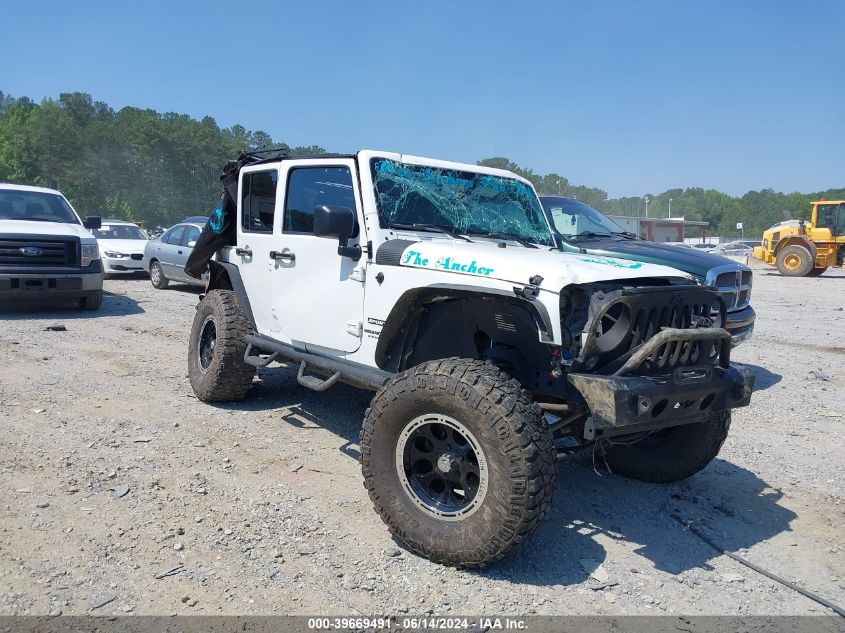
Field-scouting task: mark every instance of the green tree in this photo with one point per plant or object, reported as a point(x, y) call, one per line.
point(159, 167)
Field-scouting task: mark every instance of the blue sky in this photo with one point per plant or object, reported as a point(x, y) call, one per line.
point(632, 97)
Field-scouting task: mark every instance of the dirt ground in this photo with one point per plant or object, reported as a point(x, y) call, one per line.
point(258, 507)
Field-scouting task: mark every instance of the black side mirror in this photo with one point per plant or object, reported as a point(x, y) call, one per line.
point(92, 222)
point(338, 222)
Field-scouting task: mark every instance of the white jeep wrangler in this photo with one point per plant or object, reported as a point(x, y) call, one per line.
point(441, 287)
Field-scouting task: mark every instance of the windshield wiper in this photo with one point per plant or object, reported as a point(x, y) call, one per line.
point(435, 228)
point(588, 234)
point(498, 235)
point(628, 234)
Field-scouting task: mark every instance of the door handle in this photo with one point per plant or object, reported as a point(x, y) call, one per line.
point(279, 255)
point(180, 252)
point(243, 252)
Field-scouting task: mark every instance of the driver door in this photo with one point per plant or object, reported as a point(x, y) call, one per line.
point(318, 294)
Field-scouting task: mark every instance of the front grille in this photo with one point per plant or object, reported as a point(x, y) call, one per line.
point(626, 319)
point(647, 321)
point(673, 354)
point(37, 251)
point(733, 283)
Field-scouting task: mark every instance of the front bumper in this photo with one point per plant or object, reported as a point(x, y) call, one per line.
point(122, 265)
point(642, 402)
point(50, 284)
point(740, 324)
point(629, 402)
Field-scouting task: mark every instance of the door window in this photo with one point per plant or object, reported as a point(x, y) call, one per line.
point(174, 235)
point(192, 234)
point(258, 201)
point(310, 187)
point(827, 217)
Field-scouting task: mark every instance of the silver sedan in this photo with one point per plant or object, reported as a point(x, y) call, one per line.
point(165, 256)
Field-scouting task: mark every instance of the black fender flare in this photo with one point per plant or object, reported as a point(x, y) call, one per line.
point(227, 276)
point(396, 327)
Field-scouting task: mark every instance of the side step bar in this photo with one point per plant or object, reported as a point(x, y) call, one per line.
point(256, 360)
point(338, 369)
point(313, 382)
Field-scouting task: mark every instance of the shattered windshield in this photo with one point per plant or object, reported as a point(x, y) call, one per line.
point(463, 202)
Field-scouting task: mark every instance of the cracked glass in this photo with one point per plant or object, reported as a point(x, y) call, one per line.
point(463, 202)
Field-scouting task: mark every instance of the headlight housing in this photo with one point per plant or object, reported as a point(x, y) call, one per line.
point(90, 252)
point(114, 254)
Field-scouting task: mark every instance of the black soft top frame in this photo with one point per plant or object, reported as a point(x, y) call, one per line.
point(261, 156)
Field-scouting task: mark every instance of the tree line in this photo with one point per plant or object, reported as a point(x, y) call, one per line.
point(142, 165)
point(756, 210)
point(135, 164)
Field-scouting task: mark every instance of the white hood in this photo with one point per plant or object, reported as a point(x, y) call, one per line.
point(516, 264)
point(59, 229)
point(127, 247)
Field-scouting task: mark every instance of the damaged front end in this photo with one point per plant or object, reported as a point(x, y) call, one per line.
point(649, 357)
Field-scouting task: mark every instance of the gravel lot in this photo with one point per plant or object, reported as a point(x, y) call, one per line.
point(258, 507)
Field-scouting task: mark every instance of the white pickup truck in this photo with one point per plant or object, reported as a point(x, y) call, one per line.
point(46, 251)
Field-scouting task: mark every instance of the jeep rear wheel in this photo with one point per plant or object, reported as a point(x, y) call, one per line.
point(216, 366)
point(458, 461)
point(670, 454)
point(794, 261)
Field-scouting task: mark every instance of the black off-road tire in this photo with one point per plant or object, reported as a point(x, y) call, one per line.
point(92, 301)
point(817, 272)
point(157, 278)
point(515, 440)
point(226, 376)
point(671, 454)
point(795, 261)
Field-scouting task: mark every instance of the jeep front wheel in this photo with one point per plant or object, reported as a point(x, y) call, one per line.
point(216, 366)
point(458, 461)
point(669, 454)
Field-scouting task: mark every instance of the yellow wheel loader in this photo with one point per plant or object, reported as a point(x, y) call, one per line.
point(806, 249)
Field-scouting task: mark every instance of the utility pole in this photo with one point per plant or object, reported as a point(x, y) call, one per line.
point(638, 217)
point(670, 208)
point(558, 187)
point(646, 206)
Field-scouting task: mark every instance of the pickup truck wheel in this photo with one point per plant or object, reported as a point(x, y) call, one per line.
point(458, 461)
point(794, 261)
point(157, 278)
point(216, 366)
point(670, 454)
point(92, 301)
